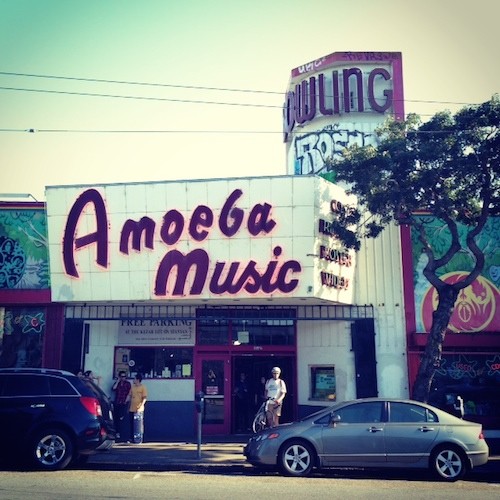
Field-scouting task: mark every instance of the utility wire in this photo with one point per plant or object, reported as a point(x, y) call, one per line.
point(146, 84)
point(91, 94)
point(160, 99)
point(192, 87)
point(296, 133)
point(97, 131)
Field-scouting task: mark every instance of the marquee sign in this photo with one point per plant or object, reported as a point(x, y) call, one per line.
point(224, 239)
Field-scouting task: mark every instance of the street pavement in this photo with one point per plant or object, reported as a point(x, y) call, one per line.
point(172, 456)
point(216, 455)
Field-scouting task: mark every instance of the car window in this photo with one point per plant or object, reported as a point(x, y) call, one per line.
point(361, 413)
point(407, 412)
point(25, 385)
point(324, 420)
point(61, 387)
point(97, 391)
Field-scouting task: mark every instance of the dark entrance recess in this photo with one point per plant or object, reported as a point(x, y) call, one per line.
point(72, 356)
point(363, 345)
point(255, 367)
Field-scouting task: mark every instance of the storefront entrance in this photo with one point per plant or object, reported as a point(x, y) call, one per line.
point(213, 378)
point(228, 410)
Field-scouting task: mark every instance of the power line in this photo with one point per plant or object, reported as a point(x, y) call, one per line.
point(179, 86)
point(143, 98)
point(146, 84)
point(160, 99)
point(164, 131)
point(101, 131)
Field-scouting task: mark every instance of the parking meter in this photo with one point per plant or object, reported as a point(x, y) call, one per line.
point(459, 406)
point(200, 401)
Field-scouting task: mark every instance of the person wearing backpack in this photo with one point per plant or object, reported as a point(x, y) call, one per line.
point(276, 391)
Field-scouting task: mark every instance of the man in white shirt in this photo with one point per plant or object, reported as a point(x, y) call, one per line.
point(276, 390)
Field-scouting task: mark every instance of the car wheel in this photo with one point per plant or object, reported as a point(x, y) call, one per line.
point(51, 449)
point(448, 463)
point(296, 459)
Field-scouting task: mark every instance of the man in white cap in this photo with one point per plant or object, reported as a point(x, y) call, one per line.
point(276, 390)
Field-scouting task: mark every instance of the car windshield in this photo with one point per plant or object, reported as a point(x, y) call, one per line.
point(319, 412)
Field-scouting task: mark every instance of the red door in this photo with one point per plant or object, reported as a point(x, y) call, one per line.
point(213, 378)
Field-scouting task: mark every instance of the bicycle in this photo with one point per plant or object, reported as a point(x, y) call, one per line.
point(264, 417)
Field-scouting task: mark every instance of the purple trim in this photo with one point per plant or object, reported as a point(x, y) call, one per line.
point(25, 297)
point(397, 78)
point(454, 340)
point(22, 205)
point(408, 284)
point(345, 57)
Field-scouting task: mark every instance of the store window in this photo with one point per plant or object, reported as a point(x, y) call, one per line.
point(21, 336)
point(213, 331)
point(323, 386)
point(256, 327)
point(154, 362)
point(476, 379)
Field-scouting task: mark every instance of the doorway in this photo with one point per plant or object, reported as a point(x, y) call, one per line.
point(217, 376)
point(257, 370)
point(213, 378)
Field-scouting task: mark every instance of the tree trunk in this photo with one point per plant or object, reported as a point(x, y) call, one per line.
point(431, 360)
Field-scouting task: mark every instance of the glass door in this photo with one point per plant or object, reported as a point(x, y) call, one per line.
point(213, 378)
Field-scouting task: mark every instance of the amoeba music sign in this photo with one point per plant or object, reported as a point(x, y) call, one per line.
point(194, 240)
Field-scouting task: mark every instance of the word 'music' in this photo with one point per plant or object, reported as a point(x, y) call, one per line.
point(194, 266)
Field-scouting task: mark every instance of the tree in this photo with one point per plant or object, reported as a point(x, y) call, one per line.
point(448, 167)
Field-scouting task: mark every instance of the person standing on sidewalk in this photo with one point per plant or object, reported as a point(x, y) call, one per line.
point(242, 404)
point(139, 395)
point(276, 390)
point(122, 389)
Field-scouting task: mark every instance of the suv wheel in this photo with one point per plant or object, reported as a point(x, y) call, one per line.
point(51, 449)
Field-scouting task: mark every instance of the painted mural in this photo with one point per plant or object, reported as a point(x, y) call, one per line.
point(21, 336)
point(24, 262)
point(477, 306)
point(476, 379)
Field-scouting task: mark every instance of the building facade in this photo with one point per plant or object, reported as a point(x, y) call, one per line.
point(470, 365)
point(30, 323)
point(192, 283)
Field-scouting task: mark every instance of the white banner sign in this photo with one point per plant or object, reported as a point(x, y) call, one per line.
point(156, 332)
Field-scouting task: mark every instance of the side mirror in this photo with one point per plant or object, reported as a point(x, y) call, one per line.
point(335, 419)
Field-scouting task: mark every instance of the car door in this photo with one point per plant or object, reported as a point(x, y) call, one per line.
point(357, 437)
point(410, 432)
point(22, 401)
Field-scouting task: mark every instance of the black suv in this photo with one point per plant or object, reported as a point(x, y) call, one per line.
point(51, 418)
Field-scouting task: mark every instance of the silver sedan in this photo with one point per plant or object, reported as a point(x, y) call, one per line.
point(389, 433)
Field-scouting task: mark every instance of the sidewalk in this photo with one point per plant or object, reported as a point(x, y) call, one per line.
point(220, 456)
point(172, 456)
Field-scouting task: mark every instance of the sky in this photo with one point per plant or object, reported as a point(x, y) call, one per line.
point(216, 73)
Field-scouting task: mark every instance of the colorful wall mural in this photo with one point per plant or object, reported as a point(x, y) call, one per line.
point(477, 306)
point(24, 266)
point(21, 336)
point(24, 261)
